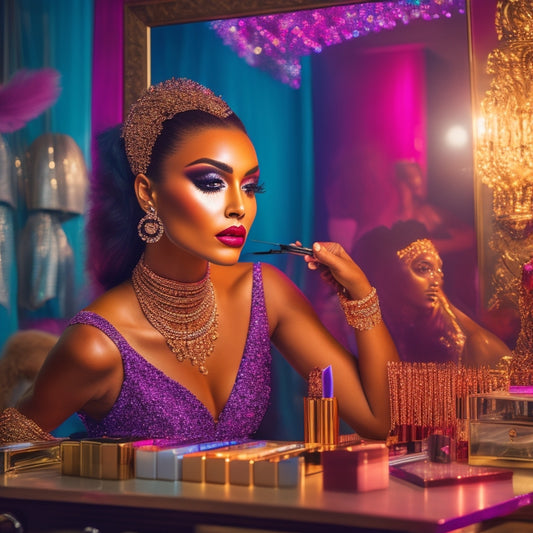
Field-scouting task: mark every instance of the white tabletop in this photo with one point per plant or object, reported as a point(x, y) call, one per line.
point(403, 506)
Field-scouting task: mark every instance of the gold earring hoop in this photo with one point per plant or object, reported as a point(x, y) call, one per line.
point(150, 227)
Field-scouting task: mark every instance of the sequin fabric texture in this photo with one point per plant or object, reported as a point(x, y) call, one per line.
point(151, 405)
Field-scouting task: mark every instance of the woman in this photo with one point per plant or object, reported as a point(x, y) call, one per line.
point(179, 344)
point(408, 271)
point(448, 234)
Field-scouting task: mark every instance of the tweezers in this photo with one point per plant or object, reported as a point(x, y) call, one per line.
point(284, 249)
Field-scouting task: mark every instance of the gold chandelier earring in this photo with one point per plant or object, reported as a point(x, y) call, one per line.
point(150, 227)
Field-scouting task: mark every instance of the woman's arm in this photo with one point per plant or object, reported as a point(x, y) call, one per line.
point(481, 346)
point(77, 374)
point(361, 384)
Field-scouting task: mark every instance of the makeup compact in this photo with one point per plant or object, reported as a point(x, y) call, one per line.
point(253, 463)
point(22, 456)
point(239, 467)
point(104, 458)
point(194, 464)
point(282, 471)
point(162, 458)
point(358, 468)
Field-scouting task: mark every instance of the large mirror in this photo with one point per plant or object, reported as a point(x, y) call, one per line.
point(376, 130)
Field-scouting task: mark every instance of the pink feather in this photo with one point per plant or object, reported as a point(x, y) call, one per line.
point(26, 95)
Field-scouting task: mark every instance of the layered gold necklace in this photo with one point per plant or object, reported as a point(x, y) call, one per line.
point(185, 314)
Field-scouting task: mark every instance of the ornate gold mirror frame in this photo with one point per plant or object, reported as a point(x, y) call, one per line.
point(141, 15)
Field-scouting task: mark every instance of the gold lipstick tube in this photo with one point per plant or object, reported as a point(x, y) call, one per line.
point(321, 421)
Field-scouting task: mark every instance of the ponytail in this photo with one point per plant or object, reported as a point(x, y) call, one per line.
point(114, 246)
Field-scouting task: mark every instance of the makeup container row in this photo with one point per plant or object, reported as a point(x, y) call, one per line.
point(259, 463)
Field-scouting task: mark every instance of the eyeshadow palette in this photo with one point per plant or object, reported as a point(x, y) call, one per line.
point(428, 474)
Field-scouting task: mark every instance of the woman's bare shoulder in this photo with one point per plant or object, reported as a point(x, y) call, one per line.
point(242, 273)
point(119, 306)
point(282, 296)
point(84, 366)
point(86, 344)
point(276, 281)
point(87, 347)
point(272, 273)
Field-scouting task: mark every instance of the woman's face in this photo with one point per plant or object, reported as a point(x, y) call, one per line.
point(424, 279)
point(206, 197)
point(414, 180)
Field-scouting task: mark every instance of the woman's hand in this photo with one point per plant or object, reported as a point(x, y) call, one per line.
point(443, 315)
point(338, 268)
point(445, 322)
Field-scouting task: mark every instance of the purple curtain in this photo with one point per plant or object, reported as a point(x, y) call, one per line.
point(108, 60)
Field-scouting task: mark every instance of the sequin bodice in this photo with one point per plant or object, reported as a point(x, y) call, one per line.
point(151, 404)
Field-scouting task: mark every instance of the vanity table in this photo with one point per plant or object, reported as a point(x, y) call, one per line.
point(44, 500)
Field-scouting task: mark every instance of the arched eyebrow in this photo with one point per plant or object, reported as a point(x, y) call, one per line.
point(220, 165)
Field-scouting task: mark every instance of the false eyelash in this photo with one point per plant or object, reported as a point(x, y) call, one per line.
point(208, 184)
point(257, 188)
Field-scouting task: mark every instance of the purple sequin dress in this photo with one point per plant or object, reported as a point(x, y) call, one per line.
point(151, 405)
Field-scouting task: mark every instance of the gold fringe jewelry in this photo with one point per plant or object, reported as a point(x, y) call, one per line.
point(362, 314)
point(184, 313)
point(430, 397)
point(15, 427)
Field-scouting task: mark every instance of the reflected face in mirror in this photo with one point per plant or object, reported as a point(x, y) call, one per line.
point(206, 197)
point(421, 274)
point(410, 174)
point(423, 280)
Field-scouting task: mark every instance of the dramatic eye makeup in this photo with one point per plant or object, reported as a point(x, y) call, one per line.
point(208, 176)
point(422, 268)
point(425, 268)
point(254, 188)
point(251, 184)
point(207, 180)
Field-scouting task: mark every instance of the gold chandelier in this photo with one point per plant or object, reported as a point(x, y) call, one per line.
point(504, 147)
point(505, 133)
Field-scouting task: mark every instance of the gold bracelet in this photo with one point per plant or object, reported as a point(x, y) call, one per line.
point(362, 314)
point(15, 427)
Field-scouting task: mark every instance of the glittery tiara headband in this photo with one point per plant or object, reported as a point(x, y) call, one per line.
point(159, 103)
point(421, 246)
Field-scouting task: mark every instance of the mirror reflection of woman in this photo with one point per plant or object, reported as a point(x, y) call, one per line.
point(446, 231)
point(426, 326)
point(178, 345)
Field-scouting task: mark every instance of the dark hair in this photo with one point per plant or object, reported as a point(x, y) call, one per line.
point(175, 130)
point(113, 242)
point(375, 252)
point(404, 168)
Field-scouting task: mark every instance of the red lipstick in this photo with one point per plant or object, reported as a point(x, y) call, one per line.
point(234, 236)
